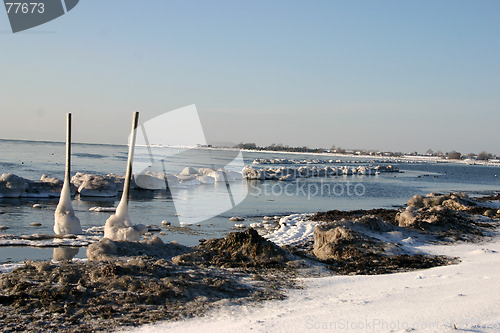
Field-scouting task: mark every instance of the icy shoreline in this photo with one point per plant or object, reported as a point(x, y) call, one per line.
point(440, 299)
point(226, 284)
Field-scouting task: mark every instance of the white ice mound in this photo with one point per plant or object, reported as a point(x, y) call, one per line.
point(189, 171)
point(152, 180)
point(218, 176)
point(12, 186)
point(118, 226)
point(205, 171)
point(94, 185)
point(46, 187)
point(66, 221)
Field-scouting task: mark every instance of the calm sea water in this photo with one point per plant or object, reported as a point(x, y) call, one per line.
point(32, 159)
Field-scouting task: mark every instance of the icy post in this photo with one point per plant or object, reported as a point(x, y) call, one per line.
point(119, 227)
point(66, 221)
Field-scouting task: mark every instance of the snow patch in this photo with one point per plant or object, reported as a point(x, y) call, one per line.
point(293, 229)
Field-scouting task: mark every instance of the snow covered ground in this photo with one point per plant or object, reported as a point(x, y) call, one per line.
point(463, 297)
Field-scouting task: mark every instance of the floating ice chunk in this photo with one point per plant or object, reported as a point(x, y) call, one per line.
point(96, 186)
point(102, 209)
point(187, 171)
point(206, 179)
point(190, 182)
point(118, 180)
point(205, 171)
point(152, 180)
point(66, 221)
point(95, 230)
point(51, 180)
point(12, 186)
point(46, 187)
point(236, 219)
point(218, 176)
point(118, 226)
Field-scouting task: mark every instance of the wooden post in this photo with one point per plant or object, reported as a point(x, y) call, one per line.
point(67, 172)
point(130, 160)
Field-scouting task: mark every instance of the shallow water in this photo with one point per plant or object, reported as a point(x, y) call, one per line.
point(32, 159)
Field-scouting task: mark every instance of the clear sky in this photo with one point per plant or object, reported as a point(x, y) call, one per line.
point(388, 75)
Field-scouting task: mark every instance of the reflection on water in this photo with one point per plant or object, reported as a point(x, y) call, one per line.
point(65, 253)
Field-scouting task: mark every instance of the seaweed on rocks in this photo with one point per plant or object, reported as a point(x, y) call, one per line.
point(346, 249)
point(134, 283)
point(387, 215)
point(238, 249)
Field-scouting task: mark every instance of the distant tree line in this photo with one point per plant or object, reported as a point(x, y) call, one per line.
point(452, 155)
point(279, 147)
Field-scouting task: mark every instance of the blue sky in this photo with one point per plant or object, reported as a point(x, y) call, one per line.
point(388, 75)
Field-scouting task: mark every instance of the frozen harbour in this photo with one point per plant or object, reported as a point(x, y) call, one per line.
point(461, 297)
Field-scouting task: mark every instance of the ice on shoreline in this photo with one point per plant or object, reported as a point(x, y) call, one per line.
point(306, 171)
point(293, 229)
point(65, 220)
point(118, 226)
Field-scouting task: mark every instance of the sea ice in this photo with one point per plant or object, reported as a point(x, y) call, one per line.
point(119, 227)
point(12, 186)
point(66, 221)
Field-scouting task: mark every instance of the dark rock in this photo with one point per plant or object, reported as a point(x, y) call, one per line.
point(238, 249)
point(386, 215)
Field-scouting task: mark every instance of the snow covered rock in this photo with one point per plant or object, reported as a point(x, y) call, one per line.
point(96, 186)
point(12, 186)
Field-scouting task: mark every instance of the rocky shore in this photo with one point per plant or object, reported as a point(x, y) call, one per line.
point(133, 283)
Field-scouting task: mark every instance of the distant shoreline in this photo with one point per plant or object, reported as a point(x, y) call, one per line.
point(394, 159)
